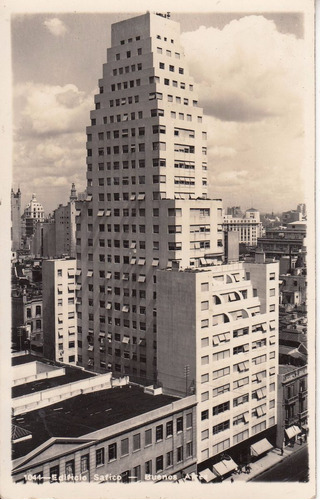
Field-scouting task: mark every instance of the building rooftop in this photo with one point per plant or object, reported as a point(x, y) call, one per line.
point(283, 369)
point(294, 338)
point(30, 358)
point(83, 414)
point(72, 374)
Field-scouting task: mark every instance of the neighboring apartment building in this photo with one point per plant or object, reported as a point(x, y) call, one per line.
point(292, 403)
point(114, 435)
point(15, 220)
point(27, 321)
point(288, 241)
point(59, 310)
point(218, 337)
point(248, 226)
point(147, 205)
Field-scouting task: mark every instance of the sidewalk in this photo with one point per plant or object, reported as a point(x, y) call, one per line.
point(272, 458)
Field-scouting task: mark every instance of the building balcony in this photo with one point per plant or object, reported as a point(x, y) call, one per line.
point(303, 393)
point(291, 400)
point(292, 421)
point(303, 414)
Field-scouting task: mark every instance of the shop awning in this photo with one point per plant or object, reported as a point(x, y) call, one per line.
point(260, 447)
point(207, 475)
point(224, 467)
point(292, 431)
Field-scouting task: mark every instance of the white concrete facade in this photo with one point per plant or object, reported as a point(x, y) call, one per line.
point(249, 226)
point(222, 324)
point(59, 310)
point(147, 203)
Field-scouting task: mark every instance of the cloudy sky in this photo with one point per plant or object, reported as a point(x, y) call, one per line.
point(251, 72)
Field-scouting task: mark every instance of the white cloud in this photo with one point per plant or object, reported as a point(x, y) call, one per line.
point(247, 70)
point(46, 109)
point(251, 83)
point(55, 26)
point(50, 140)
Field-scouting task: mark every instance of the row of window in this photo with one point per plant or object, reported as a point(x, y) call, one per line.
point(139, 115)
point(226, 388)
point(140, 132)
point(218, 356)
point(156, 162)
point(128, 54)
point(222, 372)
point(29, 311)
point(156, 146)
point(225, 337)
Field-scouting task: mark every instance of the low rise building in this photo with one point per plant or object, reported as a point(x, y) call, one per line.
point(27, 320)
point(118, 435)
point(288, 241)
point(292, 406)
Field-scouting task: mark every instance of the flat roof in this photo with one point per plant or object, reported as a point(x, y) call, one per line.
point(30, 358)
point(284, 369)
point(83, 414)
point(72, 375)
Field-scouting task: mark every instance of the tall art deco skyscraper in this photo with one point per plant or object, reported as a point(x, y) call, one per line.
point(147, 206)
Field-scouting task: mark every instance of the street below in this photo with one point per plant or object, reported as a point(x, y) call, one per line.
point(293, 468)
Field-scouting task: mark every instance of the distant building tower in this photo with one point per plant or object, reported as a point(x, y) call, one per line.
point(301, 208)
point(15, 220)
point(33, 213)
point(248, 226)
point(73, 193)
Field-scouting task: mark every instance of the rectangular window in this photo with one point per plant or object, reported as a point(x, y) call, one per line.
point(179, 424)
point(99, 457)
point(179, 454)
point(169, 428)
point(124, 447)
point(159, 463)
point(221, 355)
point(221, 373)
point(84, 463)
point(220, 390)
point(169, 459)
point(159, 432)
point(221, 408)
point(221, 427)
point(148, 467)
point(112, 452)
point(136, 442)
point(148, 437)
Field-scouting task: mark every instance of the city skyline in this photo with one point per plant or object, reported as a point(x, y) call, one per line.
point(253, 109)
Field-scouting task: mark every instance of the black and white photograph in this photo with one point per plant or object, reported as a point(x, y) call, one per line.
point(158, 262)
